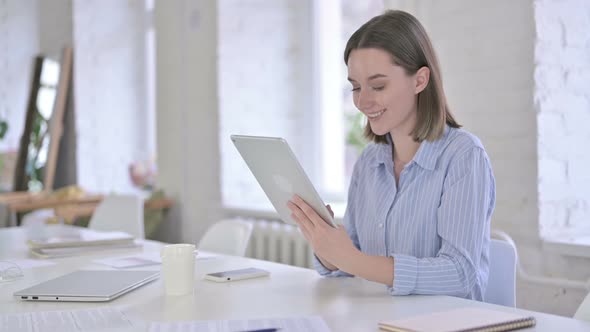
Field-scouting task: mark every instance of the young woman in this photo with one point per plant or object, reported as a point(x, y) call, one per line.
point(422, 194)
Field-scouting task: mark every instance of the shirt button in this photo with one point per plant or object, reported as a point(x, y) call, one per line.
point(380, 225)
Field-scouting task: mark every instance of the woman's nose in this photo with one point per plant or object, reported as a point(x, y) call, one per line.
point(364, 100)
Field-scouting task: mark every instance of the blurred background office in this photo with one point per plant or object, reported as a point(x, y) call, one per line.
point(162, 84)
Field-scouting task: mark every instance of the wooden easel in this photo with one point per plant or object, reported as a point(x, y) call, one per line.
point(20, 195)
point(55, 123)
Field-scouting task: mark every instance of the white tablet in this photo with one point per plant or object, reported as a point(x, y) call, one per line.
point(279, 174)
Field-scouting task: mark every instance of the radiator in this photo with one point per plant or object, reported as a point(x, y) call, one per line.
point(279, 242)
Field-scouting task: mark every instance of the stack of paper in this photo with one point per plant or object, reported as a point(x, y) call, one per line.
point(289, 324)
point(95, 319)
point(84, 241)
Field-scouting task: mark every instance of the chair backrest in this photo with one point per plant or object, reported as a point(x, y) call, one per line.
point(228, 237)
point(502, 278)
point(119, 213)
point(583, 312)
point(37, 217)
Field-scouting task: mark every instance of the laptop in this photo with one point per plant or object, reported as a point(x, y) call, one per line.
point(279, 174)
point(87, 286)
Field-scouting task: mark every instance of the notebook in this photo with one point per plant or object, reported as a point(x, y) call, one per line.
point(82, 238)
point(458, 320)
point(83, 250)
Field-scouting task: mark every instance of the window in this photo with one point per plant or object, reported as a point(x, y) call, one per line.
point(114, 97)
point(292, 84)
point(341, 123)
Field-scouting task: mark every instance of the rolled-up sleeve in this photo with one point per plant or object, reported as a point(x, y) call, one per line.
point(464, 214)
point(405, 274)
point(322, 270)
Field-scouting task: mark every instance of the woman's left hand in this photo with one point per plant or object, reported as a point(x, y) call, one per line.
point(332, 244)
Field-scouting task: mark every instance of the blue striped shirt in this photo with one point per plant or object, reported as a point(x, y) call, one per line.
point(435, 225)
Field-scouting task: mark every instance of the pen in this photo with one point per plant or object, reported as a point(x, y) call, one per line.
point(270, 329)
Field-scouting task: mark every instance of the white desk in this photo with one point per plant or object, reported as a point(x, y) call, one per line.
point(346, 304)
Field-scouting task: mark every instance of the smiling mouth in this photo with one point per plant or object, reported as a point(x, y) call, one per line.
point(375, 115)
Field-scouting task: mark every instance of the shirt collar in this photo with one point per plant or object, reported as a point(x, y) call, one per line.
point(425, 157)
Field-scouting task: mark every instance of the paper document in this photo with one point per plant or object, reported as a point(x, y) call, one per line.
point(127, 262)
point(140, 260)
point(205, 256)
point(24, 264)
point(295, 324)
point(71, 321)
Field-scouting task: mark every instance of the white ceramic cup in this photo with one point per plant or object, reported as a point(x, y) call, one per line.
point(178, 268)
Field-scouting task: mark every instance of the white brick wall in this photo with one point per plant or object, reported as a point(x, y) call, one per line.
point(19, 43)
point(55, 26)
point(111, 92)
point(486, 53)
point(562, 102)
point(562, 99)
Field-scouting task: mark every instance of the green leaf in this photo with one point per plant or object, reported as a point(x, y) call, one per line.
point(354, 135)
point(3, 128)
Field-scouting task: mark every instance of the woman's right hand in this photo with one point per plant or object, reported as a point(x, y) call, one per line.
point(308, 226)
point(324, 262)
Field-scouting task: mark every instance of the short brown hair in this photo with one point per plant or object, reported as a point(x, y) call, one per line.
point(404, 38)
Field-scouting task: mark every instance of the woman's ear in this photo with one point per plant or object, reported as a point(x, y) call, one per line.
point(422, 78)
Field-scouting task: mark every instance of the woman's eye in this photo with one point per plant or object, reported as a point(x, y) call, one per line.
point(355, 89)
point(379, 88)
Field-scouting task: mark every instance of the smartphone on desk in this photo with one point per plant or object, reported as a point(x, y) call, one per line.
point(233, 275)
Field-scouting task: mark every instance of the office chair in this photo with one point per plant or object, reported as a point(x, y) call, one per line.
point(119, 213)
point(501, 287)
point(228, 237)
point(37, 217)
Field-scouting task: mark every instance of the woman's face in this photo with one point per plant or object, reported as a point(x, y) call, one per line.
point(383, 91)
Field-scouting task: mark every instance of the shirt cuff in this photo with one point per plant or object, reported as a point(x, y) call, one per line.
point(322, 270)
point(405, 274)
